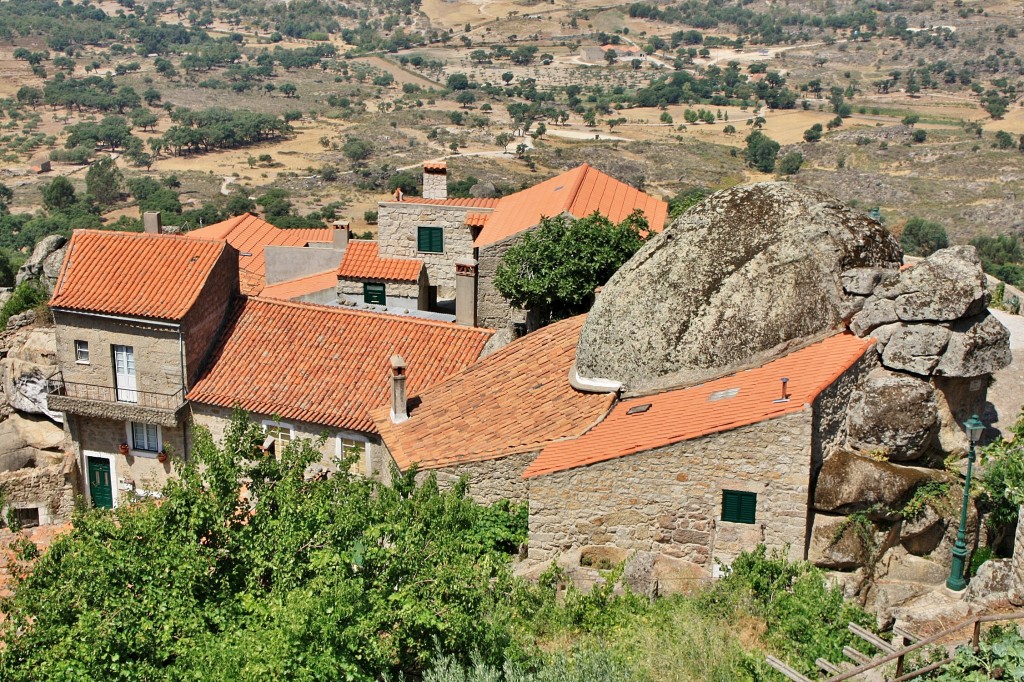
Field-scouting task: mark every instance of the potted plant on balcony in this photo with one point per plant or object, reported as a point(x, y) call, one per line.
point(161, 456)
point(124, 449)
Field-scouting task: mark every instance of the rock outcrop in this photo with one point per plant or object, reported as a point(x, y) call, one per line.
point(893, 414)
point(44, 263)
point(849, 483)
point(736, 277)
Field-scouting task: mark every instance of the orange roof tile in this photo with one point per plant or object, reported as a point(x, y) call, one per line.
point(249, 234)
point(737, 400)
point(327, 365)
point(458, 203)
point(435, 166)
point(294, 288)
point(513, 401)
point(362, 261)
point(578, 192)
point(124, 273)
point(476, 219)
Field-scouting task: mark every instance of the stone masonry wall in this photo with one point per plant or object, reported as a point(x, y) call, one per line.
point(353, 289)
point(50, 488)
point(397, 224)
point(490, 481)
point(216, 419)
point(158, 361)
point(669, 500)
point(435, 185)
point(140, 470)
point(204, 321)
point(492, 309)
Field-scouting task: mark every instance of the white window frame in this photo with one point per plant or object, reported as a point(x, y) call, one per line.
point(131, 440)
point(82, 348)
point(271, 424)
point(358, 438)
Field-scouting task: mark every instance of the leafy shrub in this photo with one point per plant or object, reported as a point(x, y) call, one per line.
point(922, 237)
point(1000, 655)
point(790, 163)
point(25, 296)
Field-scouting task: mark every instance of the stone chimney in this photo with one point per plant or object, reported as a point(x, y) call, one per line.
point(399, 409)
point(339, 236)
point(435, 180)
point(465, 291)
point(152, 222)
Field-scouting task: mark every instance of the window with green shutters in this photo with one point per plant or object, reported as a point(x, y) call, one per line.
point(430, 240)
point(738, 506)
point(374, 293)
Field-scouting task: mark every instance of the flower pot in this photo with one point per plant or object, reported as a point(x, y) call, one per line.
point(161, 456)
point(123, 448)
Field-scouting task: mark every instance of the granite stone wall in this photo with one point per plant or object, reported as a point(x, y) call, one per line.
point(352, 289)
point(49, 487)
point(492, 309)
point(216, 419)
point(204, 321)
point(669, 500)
point(138, 471)
point(489, 481)
point(397, 224)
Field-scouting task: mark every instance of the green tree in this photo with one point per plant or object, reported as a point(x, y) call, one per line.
point(761, 151)
point(6, 197)
point(336, 579)
point(790, 163)
point(408, 182)
point(287, 89)
point(104, 181)
point(554, 269)
point(59, 194)
point(356, 150)
point(1004, 140)
point(813, 134)
point(922, 237)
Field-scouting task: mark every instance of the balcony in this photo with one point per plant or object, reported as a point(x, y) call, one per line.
point(108, 402)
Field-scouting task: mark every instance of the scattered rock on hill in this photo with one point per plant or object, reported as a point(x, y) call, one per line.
point(34, 266)
point(893, 413)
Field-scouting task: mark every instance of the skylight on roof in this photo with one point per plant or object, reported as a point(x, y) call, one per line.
point(724, 394)
point(639, 409)
point(559, 188)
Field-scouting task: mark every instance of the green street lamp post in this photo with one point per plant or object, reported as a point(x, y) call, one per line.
point(956, 581)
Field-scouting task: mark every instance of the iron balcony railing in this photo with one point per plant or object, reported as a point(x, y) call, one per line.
point(111, 394)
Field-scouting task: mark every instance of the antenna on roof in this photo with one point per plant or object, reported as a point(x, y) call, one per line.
point(785, 396)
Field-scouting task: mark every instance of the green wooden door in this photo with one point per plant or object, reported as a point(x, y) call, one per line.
point(99, 483)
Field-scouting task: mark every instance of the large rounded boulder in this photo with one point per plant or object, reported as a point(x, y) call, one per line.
point(730, 283)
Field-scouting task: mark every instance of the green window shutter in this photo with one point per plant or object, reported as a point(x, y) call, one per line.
point(430, 239)
point(739, 506)
point(374, 293)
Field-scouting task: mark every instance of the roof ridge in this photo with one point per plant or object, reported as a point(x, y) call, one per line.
point(584, 169)
point(142, 235)
point(366, 313)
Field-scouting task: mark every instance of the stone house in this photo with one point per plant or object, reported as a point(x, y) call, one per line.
point(364, 277)
point(154, 337)
point(698, 473)
point(136, 317)
point(306, 370)
point(466, 238)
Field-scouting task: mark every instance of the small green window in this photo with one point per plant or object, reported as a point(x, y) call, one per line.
point(430, 240)
point(738, 506)
point(374, 293)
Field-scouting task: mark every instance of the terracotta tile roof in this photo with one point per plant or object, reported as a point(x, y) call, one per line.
point(249, 234)
point(327, 365)
point(459, 203)
point(435, 166)
point(736, 400)
point(476, 219)
point(294, 288)
point(125, 273)
point(513, 401)
point(578, 192)
point(362, 261)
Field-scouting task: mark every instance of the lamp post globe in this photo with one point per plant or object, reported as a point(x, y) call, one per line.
point(974, 427)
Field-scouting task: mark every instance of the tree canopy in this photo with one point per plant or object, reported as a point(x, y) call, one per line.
point(296, 576)
point(922, 237)
point(554, 269)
